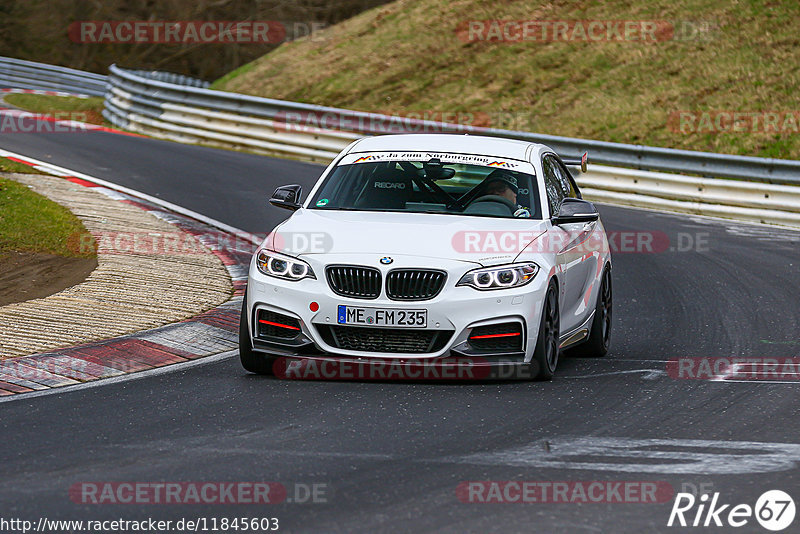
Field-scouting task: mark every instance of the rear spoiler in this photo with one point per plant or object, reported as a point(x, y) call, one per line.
point(582, 163)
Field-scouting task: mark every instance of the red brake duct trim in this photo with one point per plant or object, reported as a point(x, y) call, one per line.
point(487, 336)
point(264, 321)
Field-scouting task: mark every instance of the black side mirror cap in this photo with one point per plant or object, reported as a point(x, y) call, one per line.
point(575, 210)
point(287, 197)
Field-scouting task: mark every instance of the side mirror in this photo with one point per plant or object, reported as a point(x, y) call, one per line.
point(287, 197)
point(582, 163)
point(575, 210)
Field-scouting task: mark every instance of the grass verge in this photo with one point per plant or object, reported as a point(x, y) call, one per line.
point(29, 222)
point(6, 165)
point(63, 107)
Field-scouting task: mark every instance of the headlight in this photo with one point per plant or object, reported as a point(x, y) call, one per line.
point(284, 267)
point(502, 277)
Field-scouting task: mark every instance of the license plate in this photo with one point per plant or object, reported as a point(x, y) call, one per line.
point(356, 315)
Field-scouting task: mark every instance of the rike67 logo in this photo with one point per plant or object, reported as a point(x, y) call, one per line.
point(774, 510)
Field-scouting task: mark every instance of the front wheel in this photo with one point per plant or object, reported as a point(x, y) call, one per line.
point(251, 360)
point(545, 355)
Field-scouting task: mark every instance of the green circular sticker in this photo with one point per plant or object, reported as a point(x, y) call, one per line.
point(322, 202)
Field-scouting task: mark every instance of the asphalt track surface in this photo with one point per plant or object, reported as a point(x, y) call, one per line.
point(393, 453)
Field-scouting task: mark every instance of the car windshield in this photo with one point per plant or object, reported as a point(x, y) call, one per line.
point(432, 185)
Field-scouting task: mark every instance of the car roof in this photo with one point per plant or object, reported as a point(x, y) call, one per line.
point(459, 144)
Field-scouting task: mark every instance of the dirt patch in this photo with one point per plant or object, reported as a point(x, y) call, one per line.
point(30, 275)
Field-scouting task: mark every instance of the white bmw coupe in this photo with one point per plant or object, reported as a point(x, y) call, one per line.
point(432, 248)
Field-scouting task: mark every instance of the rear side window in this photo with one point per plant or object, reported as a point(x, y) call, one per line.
point(564, 179)
point(553, 184)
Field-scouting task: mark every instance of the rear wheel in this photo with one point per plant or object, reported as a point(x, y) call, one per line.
point(545, 355)
point(596, 346)
point(252, 361)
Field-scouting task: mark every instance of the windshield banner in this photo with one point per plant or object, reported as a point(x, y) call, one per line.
point(444, 157)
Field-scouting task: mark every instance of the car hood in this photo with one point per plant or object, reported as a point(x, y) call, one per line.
point(481, 240)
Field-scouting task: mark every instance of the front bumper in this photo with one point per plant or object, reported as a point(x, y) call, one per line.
point(454, 313)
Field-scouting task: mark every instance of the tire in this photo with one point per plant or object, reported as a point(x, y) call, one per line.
point(545, 355)
point(596, 346)
point(252, 361)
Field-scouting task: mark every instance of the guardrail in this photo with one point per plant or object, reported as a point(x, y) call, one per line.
point(183, 109)
point(148, 105)
point(21, 74)
point(171, 77)
point(144, 103)
point(729, 199)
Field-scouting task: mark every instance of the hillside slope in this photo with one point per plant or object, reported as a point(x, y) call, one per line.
point(709, 57)
point(48, 31)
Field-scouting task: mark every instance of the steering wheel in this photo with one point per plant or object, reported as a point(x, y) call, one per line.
point(498, 199)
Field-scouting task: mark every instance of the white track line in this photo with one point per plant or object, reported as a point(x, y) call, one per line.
point(63, 171)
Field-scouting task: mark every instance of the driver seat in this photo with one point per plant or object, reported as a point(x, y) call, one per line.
point(388, 189)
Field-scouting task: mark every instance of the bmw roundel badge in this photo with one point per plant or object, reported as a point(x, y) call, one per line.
point(386, 260)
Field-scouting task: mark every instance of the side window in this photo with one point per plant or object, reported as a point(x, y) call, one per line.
point(565, 180)
point(552, 184)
